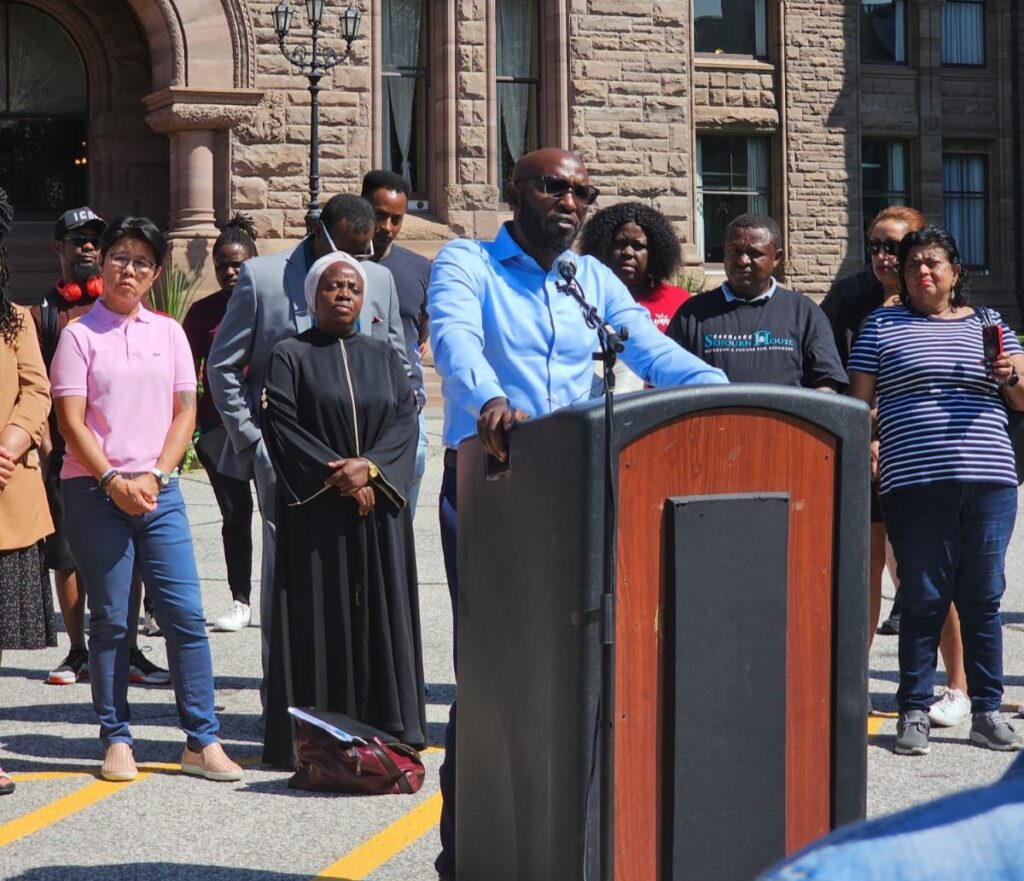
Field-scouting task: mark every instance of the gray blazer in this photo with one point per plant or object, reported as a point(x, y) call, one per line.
point(267, 306)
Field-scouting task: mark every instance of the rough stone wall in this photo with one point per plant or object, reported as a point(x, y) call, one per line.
point(730, 89)
point(821, 161)
point(270, 157)
point(630, 101)
point(471, 193)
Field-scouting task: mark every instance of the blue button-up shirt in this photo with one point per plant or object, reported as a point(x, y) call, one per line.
point(501, 327)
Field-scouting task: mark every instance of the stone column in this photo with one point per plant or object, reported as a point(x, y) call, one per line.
point(192, 180)
point(191, 118)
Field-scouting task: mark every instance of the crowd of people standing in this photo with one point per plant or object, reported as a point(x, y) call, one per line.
point(302, 375)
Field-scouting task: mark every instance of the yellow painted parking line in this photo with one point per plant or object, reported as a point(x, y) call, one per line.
point(874, 725)
point(62, 808)
point(386, 845)
point(50, 775)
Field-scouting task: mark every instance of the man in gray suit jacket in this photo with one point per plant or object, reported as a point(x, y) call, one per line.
point(267, 306)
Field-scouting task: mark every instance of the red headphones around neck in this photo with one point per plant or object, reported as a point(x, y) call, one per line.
point(71, 292)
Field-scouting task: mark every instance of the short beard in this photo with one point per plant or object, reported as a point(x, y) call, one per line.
point(548, 244)
point(82, 272)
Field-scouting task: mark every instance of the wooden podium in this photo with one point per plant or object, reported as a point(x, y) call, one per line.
point(740, 646)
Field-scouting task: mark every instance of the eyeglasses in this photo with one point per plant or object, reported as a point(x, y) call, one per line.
point(79, 240)
point(889, 248)
point(365, 255)
point(551, 185)
point(122, 261)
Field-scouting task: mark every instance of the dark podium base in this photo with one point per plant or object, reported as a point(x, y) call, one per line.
point(741, 559)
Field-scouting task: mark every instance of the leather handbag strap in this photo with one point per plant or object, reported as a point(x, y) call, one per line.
point(381, 752)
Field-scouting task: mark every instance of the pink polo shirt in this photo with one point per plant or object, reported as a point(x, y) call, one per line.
point(128, 370)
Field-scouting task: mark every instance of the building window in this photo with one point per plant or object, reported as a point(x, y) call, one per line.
point(404, 29)
point(518, 83)
point(963, 33)
point(884, 176)
point(965, 191)
point(731, 27)
point(883, 31)
point(733, 178)
point(43, 114)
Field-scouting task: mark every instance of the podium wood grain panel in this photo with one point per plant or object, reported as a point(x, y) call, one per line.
point(711, 452)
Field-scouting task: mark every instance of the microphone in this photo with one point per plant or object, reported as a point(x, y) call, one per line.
point(565, 266)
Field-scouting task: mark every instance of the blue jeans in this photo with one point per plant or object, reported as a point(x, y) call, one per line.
point(950, 540)
point(108, 544)
point(969, 836)
point(420, 466)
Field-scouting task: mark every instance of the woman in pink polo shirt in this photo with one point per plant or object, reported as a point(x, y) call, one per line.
point(124, 388)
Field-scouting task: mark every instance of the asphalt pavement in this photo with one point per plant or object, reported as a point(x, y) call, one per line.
point(63, 824)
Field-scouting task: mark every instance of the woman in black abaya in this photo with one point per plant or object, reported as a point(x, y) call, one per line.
point(339, 419)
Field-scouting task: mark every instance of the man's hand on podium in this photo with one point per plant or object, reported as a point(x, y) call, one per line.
point(497, 417)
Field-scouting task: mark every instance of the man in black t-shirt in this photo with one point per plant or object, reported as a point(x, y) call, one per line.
point(388, 193)
point(752, 328)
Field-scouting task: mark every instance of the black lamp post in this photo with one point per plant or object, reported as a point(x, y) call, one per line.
point(314, 65)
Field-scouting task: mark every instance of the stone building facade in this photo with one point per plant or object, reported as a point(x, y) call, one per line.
point(191, 112)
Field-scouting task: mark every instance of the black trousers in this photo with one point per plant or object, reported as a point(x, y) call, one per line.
point(445, 863)
point(234, 498)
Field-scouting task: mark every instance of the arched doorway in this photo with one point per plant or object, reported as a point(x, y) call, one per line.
point(43, 114)
point(74, 73)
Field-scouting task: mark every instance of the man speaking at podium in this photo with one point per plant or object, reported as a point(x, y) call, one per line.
point(510, 344)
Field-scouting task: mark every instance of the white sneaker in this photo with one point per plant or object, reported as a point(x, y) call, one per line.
point(150, 627)
point(237, 617)
point(952, 708)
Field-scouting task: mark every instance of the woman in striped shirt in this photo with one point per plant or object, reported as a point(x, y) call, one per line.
point(947, 478)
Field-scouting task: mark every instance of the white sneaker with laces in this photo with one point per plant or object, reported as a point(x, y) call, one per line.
point(237, 617)
point(952, 708)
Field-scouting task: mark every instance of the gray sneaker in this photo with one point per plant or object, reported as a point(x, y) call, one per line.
point(912, 730)
point(992, 730)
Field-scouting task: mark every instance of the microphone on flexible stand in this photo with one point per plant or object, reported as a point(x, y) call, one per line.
point(565, 266)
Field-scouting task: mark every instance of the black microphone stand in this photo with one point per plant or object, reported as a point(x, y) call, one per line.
point(611, 342)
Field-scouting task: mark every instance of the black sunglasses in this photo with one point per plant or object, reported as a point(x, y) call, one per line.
point(557, 187)
point(79, 239)
point(889, 248)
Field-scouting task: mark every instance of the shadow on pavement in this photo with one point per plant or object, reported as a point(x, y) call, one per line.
point(150, 872)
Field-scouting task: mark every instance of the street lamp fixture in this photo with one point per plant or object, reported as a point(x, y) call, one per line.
point(314, 63)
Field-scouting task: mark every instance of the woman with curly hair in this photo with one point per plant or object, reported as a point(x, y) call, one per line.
point(26, 604)
point(235, 245)
point(639, 245)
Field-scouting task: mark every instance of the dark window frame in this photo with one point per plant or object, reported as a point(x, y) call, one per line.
point(703, 191)
point(740, 56)
point(983, 64)
point(885, 62)
point(421, 194)
point(985, 198)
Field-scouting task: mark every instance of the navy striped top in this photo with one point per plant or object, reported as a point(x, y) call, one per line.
point(939, 416)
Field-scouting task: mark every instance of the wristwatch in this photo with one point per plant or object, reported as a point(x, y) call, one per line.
point(161, 478)
point(374, 470)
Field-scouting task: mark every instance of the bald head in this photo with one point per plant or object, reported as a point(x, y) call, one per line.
point(550, 160)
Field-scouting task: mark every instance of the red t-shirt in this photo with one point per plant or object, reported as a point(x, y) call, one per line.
point(663, 303)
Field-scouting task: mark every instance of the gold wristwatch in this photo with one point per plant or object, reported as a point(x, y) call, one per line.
point(374, 470)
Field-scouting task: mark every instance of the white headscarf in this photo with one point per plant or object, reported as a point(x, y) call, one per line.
point(320, 267)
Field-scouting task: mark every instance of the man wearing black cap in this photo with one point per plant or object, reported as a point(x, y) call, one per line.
point(76, 242)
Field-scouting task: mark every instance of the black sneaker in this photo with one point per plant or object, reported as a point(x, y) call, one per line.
point(890, 626)
point(142, 671)
point(912, 730)
point(992, 730)
point(74, 668)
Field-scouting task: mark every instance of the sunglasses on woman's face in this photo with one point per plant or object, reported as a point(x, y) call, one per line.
point(889, 248)
point(557, 187)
